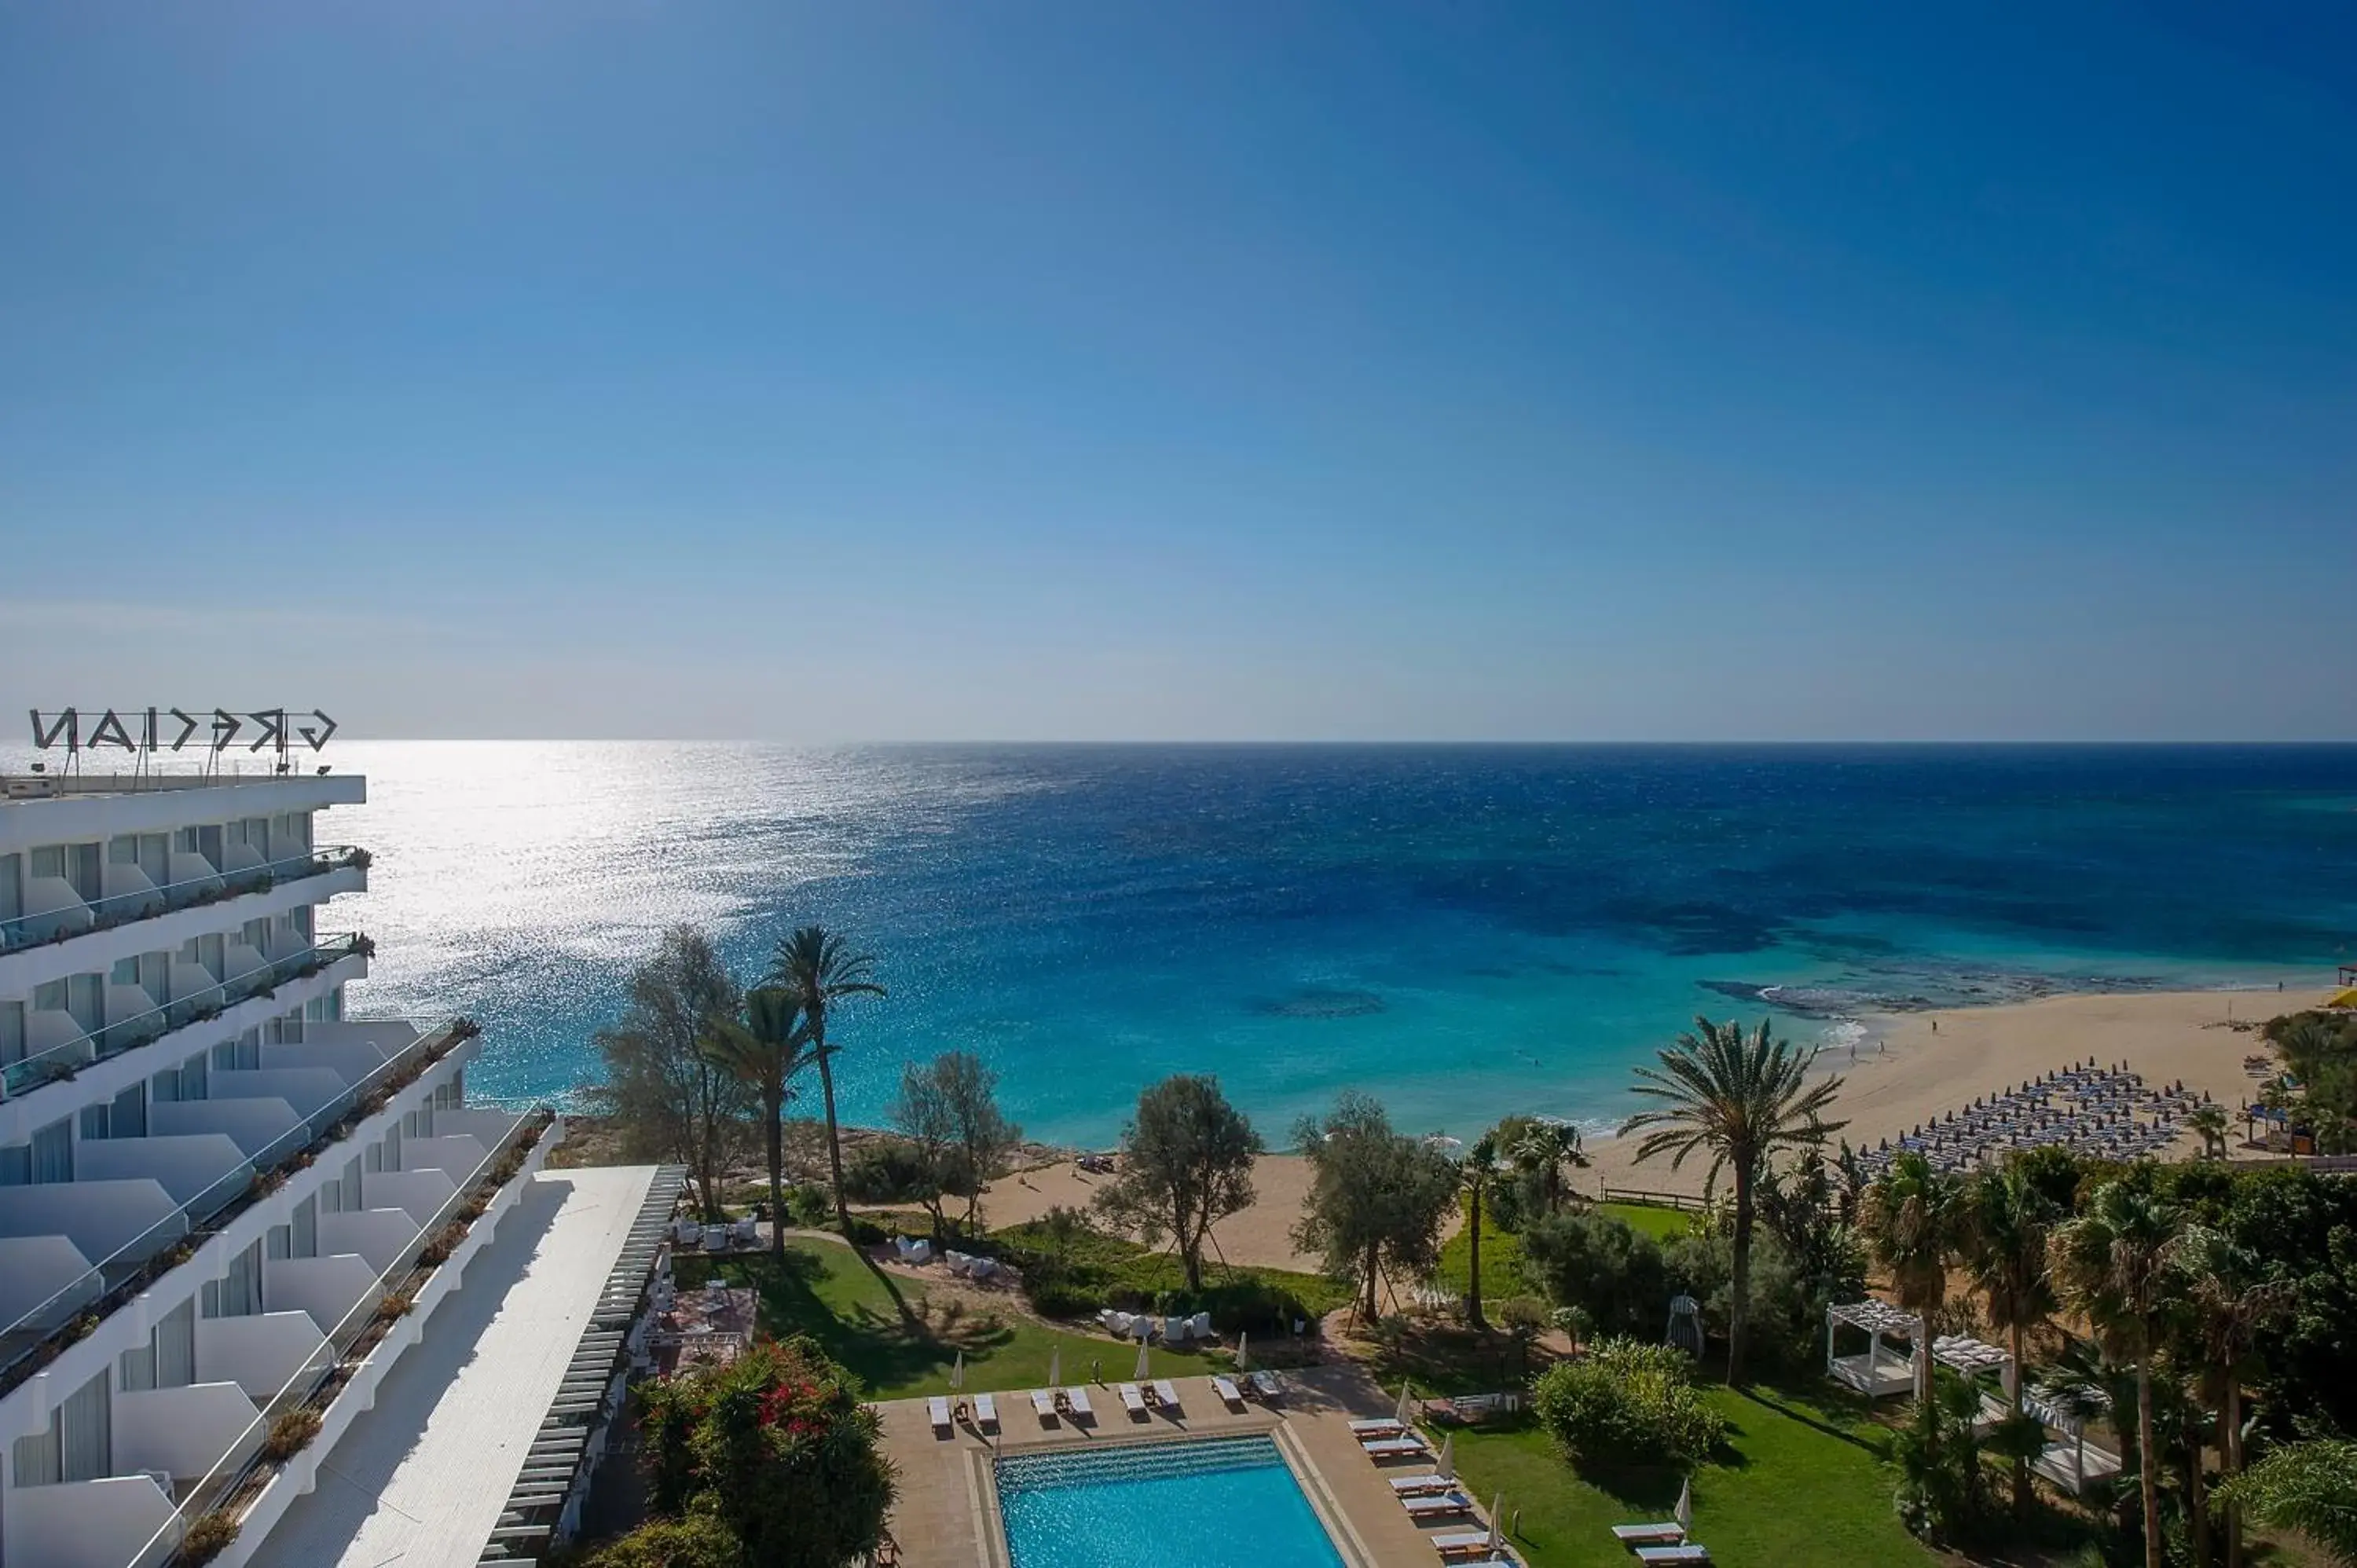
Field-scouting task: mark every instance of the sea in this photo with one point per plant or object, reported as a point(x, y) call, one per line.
point(1461, 932)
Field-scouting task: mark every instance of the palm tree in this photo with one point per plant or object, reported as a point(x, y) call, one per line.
point(1545, 1150)
point(2005, 1223)
point(1740, 1096)
point(812, 966)
point(764, 1052)
point(1473, 1174)
point(1913, 1219)
point(2114, 1265)
point(2210, 1121)
point(2232, 1302)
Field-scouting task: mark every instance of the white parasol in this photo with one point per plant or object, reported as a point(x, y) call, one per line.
point(1056, 1365)
point(1446, 1469)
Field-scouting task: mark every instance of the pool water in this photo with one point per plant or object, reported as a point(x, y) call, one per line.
point(1225, 1502)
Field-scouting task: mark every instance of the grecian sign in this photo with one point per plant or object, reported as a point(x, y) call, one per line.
point(154, 729)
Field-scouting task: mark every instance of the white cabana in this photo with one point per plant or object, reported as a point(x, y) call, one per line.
point(1962, 1353)
point(2073, 1462)
point(1880, 1370)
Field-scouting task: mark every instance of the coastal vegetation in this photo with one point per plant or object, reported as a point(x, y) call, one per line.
point(670, 1101)
point(763, 1051)
point(817, 969)
point(1185, 1164)
point(954, 1133)
point(1739, 1098)
point(2318, 1090)
point(1377, 1198)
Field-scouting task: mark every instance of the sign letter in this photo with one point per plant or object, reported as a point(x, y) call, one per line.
point(68, 725)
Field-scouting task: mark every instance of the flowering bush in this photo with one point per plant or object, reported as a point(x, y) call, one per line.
point(777, 1446)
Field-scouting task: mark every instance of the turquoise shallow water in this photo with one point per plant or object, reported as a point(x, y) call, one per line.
point(1462, 929)
point(1208, 1503)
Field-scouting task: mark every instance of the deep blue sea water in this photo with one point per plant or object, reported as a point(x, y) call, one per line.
point(1463, 930)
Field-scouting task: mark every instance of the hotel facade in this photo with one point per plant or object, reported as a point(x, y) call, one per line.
point(227, 1208)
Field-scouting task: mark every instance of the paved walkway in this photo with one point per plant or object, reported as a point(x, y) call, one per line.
point(941, 1519)
point(419, 1480)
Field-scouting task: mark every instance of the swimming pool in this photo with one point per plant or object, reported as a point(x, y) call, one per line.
point(1213, 1502)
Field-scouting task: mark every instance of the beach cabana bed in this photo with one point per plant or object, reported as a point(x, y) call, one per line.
point(1880, 1370)
point(2073, 1462)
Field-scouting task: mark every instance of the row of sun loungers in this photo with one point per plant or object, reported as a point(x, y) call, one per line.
point(1263, 1386)
point(985, 1414)
point(724, 1237)
point(2087, 1109)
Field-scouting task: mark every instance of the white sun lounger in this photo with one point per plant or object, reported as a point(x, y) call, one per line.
point(1686, 1553)
point(1669, 1532)
point(986, 1412)
point(1132, 1400)
point(1227, 1390)
point(1077, 1398)
point(1392, 1447)
point(1460, 1542)
point(1043, 1403)
point(1166, 1394)
point(1438, 1508)
point(1430, 1481)
point(939, 1408)
point(1266, 1385)
point(1383, 1426)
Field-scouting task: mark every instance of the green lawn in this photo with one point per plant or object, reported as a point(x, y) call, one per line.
point(1501, 1263)
point(1805, 1484)
point(1663, 1224)
point(885, 1331)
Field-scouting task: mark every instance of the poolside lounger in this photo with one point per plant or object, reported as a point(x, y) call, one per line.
point(1382, 1427)
point(1266, 1385)
point(1392, 1447)
point(1227, 1390)
point(939, 1408)
point(1438, 1508)
point(1166, 1394)
point(1043, 1403)
point(1686, 1553)
point(1460, 1542)
point(1667, 1533)
point(1132, 1400)
point(1430, 1481)
point(986, 1412)
point(1077, 1398)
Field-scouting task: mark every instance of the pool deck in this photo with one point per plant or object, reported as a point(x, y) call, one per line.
point(943, 1518)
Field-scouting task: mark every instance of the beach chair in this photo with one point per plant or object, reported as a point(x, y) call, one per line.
point(1669, 1532)
point(1166, 1394)
point(1132, 1400)
point(1394, 1447)
point(1440, 1507)
point(1382, 1426)
point(1043, 1405)
point(1415, 1486)
point(1685, 1552)
point(1460, 1543)
point(986, 1412)
point(1229, 1393)
point(1266, 1385)
point(1115, 1322)
point(939, 1408)
point(1078, 1400)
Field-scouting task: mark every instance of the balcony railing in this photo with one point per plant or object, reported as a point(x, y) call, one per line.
point(108, 1040)
point(170, 898)
point(132, 1266)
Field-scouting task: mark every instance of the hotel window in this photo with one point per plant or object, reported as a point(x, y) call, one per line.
point(163, 1088)
point(239, 1293)
point(255, 934)
point(12, 1032)
point(351, 1183)
point(53, 1153)
point(12, 886)
point(193, 1084)
point(176, 1347)
point(156, 857)
point(130, 1112)
point(278, 1241)
point(79, 1445)
point(306, 1226)
point(122, 851)
point(184, 841)
point(82, 870)
point(95, 1119)
point(16, 1165)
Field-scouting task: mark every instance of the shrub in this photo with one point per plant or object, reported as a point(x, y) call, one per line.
point(396, 1303)
point(1627, 1402)
point(207, 1536)
point(290, 1434)
point(810, 1206)
point(1611, 1274)
point(889, 1172)
point(697, 1540)
point(865, 1232)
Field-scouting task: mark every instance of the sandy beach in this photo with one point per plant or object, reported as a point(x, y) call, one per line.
point(1908, 1069)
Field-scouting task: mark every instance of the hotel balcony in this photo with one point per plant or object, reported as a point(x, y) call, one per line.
point(61, 1047)
point(54, 912)
point(145, 1405)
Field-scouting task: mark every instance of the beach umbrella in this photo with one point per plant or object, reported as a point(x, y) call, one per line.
point(1056, 1365)
point(1446, 1469)
point(1141, 1374)
point(1497, 1513)
point(1400, 1415)
point(1244, 1351)
point(1684, 1512)
point(957, 1374)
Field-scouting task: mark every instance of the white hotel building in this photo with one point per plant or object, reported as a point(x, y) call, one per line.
point(211, 1180)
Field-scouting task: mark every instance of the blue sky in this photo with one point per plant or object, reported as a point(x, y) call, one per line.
point(824, 372)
